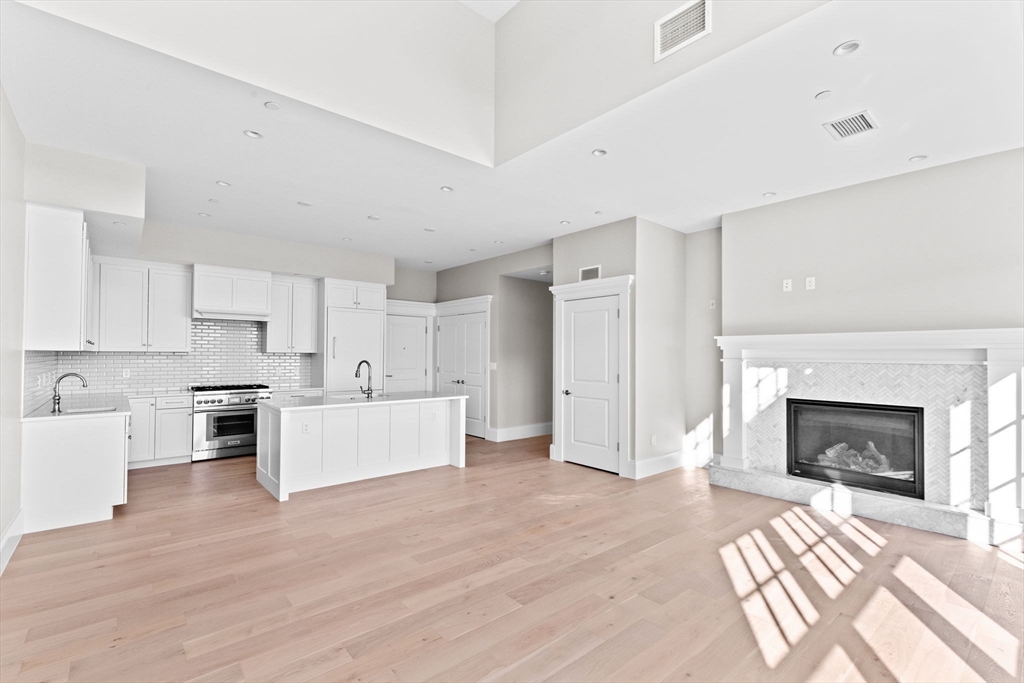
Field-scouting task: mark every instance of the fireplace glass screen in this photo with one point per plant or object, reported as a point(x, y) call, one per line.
point(872, 446)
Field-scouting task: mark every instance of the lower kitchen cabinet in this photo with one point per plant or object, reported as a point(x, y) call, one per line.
point(143, 418)
point(173, 433)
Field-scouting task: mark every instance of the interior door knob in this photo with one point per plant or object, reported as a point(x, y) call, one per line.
point(566, 392)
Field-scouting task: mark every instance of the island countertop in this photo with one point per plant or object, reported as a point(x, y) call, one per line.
point(333, 400)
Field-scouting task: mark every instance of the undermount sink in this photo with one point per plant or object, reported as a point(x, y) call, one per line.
point(103, 409)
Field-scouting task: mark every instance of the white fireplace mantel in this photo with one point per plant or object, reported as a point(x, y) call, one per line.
point(1000, 351)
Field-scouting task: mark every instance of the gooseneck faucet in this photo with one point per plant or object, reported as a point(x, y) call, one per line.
point(56, 389)
point(368, 391)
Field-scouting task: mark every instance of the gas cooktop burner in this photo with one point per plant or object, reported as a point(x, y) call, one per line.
point(231, 387)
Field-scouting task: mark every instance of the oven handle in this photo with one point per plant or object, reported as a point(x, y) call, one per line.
point(242, 411)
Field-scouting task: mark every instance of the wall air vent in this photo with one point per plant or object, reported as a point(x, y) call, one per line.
point(590, 273)
point(682, 27)
point(851, 125)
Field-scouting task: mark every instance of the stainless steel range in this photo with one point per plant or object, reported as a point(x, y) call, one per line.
point(224, 419)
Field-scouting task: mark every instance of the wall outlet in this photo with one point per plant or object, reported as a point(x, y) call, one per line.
point(809, 283)
point(713, 305)
point(654, 439)
point(494, 366)
point(126, 373)
point(433, 416)
point(787, 285)
point(305, 428)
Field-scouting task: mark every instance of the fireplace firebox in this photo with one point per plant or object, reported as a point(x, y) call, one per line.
point(870, 446)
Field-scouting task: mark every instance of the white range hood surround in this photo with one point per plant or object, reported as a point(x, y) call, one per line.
point(965, 379)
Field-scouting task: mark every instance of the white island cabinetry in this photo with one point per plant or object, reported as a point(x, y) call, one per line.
point(311, 442)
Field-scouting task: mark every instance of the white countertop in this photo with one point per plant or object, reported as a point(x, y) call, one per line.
point(286, 403)
point(82, 405)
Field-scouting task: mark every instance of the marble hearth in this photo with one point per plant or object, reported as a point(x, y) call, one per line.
point(968, 383)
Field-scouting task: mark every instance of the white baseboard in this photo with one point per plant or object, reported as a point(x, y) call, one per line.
point(142, 464)
point(663, 463)
point(522, 432)
point(11, 537)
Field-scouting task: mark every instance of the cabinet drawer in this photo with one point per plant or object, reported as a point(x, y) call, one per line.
point(301, 393)
point(164, 402)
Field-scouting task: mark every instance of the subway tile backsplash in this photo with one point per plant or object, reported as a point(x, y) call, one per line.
point(40, 374)
point(223, 352)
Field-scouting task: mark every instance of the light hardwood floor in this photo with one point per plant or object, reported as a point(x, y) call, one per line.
point(513, 569)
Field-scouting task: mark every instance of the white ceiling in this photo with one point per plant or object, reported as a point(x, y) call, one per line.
point(492, 9)
point(705, 144)
point(542, 274)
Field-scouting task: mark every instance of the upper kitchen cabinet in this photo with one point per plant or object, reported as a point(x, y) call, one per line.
point(144, 307)
point(58, 280)
point(345, 294)
point(293, 316)
point(231, 293)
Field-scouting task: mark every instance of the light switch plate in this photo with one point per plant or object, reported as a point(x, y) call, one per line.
point(126, 373)
point(809, 284)
point(494, 366)
point(787, 285)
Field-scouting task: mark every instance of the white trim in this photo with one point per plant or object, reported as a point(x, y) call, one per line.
point(416, 309)
point(11, 537)
point(613, 286)
point(143, 464)
point(476, 304)
point(521, 432)
point(662, 463)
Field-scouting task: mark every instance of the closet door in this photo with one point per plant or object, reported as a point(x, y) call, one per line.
point(406, 353)
point(462, 360)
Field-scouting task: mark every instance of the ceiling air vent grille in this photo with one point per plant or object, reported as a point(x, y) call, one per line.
point(682, 27)
point(590, 273)
point(851, 125)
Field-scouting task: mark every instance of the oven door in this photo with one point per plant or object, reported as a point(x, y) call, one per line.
point(220, 433)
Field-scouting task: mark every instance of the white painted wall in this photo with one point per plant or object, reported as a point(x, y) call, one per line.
point(703, 324)
point(423, 70)
point(941, 248)
point(414, 285)
point(183, 244)
point(12, 308)
point(561, 63)
point(64, 178)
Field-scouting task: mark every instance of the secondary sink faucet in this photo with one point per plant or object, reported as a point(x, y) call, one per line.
point(368, 391)
point(56, 389)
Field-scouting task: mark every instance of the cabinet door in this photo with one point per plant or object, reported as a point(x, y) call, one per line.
point(252, 294)
point(352, 336)
point(143, 416)
point(170, 310)
point(92, 317)
point(123, 303)
point(371, 298)
point(173, 433)
point(280, 323)
point(303, 312)
point(340, 295)
point(53, 278)
point(214, 291)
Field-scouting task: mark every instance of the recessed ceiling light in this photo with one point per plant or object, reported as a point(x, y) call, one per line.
point(564, 222)
point(205, 215)
point(346, 239)
point(428, 261)
point(445, 188)
point(768, 194)
point(599, 152)
point(598, 213)
point(919, 157)
point(223, 183)
point(303, 203)
point(498, 242)
point(846, 48)
point(118, 223)
point(374, 218)
point(472, 249)
point(428, 230)
point(252, 134)
point(272, 106)
point(823, 95)
point(544, 272)
point(215, 201)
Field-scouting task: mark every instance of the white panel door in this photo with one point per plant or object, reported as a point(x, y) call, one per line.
point(406, 354)
point(124, 300)
point(303, 317)
point(462, 360)
point(352, 336)
point(590, 392)
point(170, 310)
point(279, 327)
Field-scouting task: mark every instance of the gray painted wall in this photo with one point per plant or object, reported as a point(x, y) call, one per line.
point(12, 308)
point(703, 324)
point(414, 285)
point(940, 248)
point(526, 333)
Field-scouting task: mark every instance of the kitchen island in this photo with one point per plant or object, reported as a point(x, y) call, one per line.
point(315, 441)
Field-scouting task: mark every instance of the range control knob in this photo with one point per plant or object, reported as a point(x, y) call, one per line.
point(220, 400)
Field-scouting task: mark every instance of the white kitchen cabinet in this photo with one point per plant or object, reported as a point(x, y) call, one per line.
point(144, 307)
point(57, 278)
point(231, 293)
point(124, 302)
point(345, 294)
point(300, 393)
point(353, 336)
point(143, 420)
point(293, 319)
point(173, 433)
